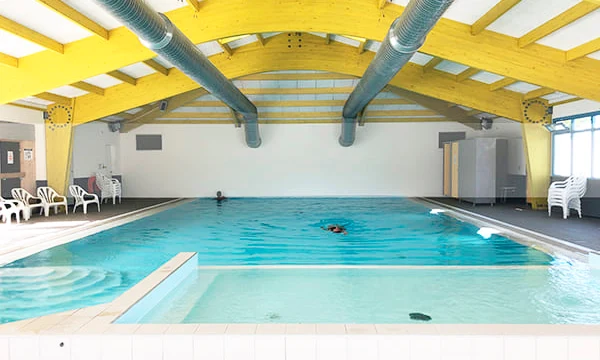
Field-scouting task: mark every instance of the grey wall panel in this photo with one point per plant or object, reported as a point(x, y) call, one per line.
point(467, 163)
point(501, 165)
point(485, 173)
point(148, 142)
point(16, 132)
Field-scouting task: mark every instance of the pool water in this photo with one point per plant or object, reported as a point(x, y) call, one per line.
point(252, 231)
point(451, 295)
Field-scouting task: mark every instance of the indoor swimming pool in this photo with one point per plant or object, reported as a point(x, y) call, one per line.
point(260, 231)
point(562, 294)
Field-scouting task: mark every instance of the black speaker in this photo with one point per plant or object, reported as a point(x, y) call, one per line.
point(163, 105)
point(46, 115)
point(486, 124)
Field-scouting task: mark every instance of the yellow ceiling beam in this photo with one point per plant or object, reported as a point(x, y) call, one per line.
point(330, 120)
point(583, 50)
point(288, 91)
point(467, 74)
point(451, 40)
point(561, 102)
point(195, 4)
point(441, 107)
point(260, 39)
point(225, 48)
point(575, 13)
point(232, 39)
point(89, 88)
point(492, 15)
point(35, 37)
point(76, 17)
point(157, 67)
point(296, 115)
point(298, 76)
point(502, 84)
point(538, 93)
point(335, 57)
point(59, 99)
point(9, 60)
point(123, 77)
point(361, 47)
point(432, 64)
point(300, 103)
point(30, 107)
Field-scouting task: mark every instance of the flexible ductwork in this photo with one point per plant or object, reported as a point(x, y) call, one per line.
point(160, 35)
point(405, 37)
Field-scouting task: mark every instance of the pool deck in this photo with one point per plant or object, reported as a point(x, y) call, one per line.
point(583, 232)
point(38, 233)
point(39, 224)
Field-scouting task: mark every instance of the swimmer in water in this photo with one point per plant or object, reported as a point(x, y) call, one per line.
point(338, 229)
point(220, 196)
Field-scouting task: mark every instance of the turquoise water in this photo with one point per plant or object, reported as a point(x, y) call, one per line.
point(455, 295)
point(280, 231)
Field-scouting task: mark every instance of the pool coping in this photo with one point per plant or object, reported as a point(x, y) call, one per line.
point(548, 244)
point(35, 244)
point(100, 320)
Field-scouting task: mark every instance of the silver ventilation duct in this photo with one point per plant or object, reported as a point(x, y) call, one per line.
point(160, 35)
point(405, 37)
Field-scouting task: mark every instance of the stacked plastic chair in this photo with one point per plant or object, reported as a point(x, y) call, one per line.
point(109, 187)
point(567, 194)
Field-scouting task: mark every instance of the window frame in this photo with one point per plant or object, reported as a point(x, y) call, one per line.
point(595, 131)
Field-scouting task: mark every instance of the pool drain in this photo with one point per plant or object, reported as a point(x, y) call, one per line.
point(273, 316)
point(419, 316)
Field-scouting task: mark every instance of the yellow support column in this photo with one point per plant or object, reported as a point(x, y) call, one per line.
point(59, 144)
point(536, 143)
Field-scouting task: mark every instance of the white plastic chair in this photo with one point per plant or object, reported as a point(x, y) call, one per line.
point(109, 188)
point(49, 198)
point(567, 194)
point(80, 198)
point(31, 202)
point(8, 208)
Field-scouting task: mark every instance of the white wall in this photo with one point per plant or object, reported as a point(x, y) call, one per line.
point(89, 149)
point(576, 107)
point(294, 160)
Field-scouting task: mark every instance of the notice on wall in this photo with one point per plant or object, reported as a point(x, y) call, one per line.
point(28, 154)
point(10, 157)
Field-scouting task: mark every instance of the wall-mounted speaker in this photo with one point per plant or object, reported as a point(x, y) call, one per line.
point(46, 115)
point(114, 126)
point(486, 124)
point(163, 105)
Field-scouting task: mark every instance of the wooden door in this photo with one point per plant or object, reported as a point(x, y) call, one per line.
point(455, 179)
point(447, 169)
point(28, 165)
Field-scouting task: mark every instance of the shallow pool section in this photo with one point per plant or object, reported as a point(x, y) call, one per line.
point(255, 231)
point(452, 295)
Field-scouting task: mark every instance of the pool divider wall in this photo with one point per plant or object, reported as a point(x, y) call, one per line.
point(92, 334)
point(154, 296)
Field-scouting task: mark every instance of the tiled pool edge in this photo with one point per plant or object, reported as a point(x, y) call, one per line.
point(542, 242)
point(90, 333)
point(43, 242)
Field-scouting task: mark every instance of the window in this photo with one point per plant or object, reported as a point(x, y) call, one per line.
point(576, 151)
point(562, 154)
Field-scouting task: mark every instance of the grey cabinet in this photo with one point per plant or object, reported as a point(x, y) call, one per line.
point(481, 169)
